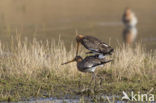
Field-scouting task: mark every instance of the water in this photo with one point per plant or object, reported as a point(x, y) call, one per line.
point(48, 20)
point(55, 100)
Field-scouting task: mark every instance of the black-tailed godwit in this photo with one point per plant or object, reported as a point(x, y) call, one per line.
point(129, 19)
point(88, 64)
point(93, 44)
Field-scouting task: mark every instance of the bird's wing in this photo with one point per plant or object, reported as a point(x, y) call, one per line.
point(101, 63)
point(95, 45)
point(125, 19)
point(92, 61)
point(96, 42)
point(91, 43)
point(104, 47)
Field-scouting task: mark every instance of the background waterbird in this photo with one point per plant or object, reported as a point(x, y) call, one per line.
point(129, 19)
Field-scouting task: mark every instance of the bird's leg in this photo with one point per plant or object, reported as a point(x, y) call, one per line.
point(101, 81)
point(94, 81)
point(91, 80)
point(90, 83)
point(79, 82)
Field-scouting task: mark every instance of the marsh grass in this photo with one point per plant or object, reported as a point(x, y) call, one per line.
point(31, 69)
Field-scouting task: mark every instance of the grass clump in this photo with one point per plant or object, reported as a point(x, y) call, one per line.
point(33, 69)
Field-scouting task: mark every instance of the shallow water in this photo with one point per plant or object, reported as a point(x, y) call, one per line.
point(51, 100)
point(48, 20)
point(54, 100)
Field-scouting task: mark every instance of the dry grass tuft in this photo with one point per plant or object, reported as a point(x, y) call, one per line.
point(131, 62)
point(32, 59)
point(31, 69)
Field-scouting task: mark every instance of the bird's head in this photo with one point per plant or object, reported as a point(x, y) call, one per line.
point(77, 59)
point(79, 37)
point(128, 11)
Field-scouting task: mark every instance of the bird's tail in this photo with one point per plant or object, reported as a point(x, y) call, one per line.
point(109, 52)
point(106, 61)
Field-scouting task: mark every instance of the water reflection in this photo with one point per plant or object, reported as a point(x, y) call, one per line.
point(129, 19)
point(129, 35)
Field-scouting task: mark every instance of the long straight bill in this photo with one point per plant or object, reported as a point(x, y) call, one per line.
point(78, 44)
point(68, 62)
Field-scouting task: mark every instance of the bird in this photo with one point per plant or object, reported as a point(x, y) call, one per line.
point(88, 64)
point(93, 44)
point(129, 35)
point(129, 19)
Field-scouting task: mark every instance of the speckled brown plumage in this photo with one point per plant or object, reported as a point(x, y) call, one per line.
point(89, 63)
point(93, 44)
